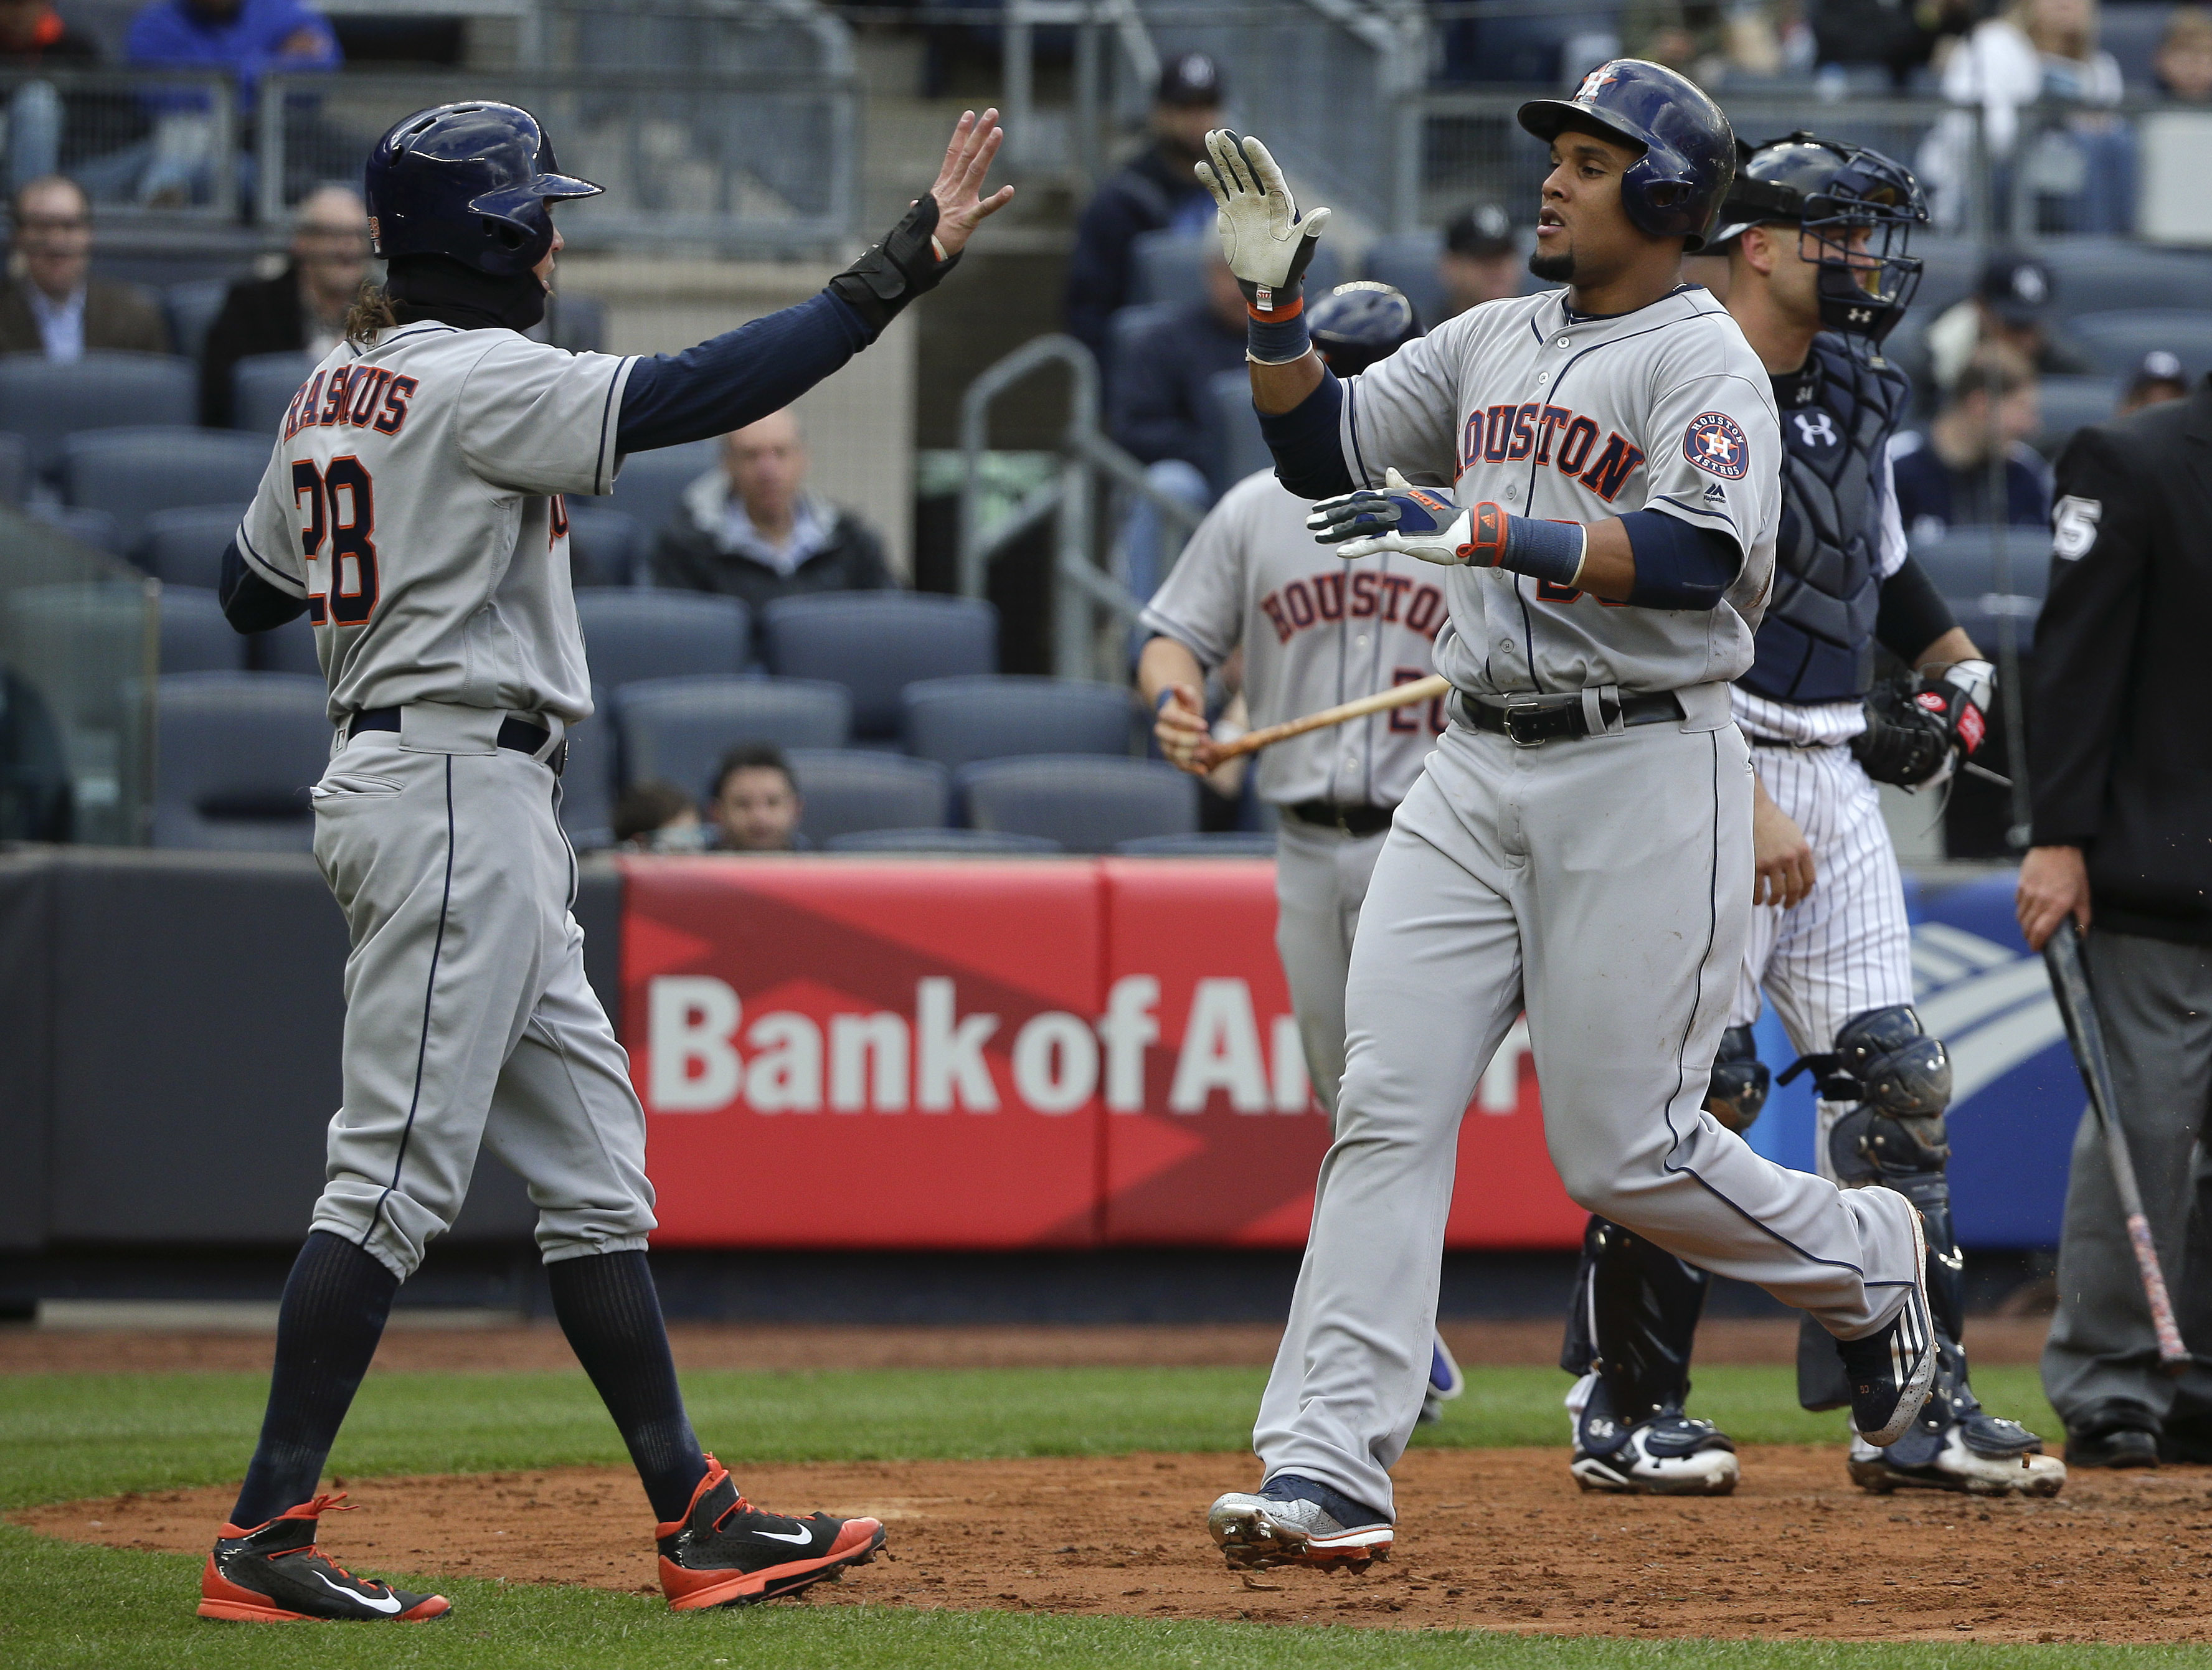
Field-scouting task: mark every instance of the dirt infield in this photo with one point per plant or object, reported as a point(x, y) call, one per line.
point(793, 1346)
point(1497, 1539)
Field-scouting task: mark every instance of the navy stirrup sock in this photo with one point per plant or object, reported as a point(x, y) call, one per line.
point(608, 1309)
point(336, 1301)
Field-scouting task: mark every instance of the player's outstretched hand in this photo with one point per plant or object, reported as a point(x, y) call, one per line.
point(1784, 857)
point(1265, 240)
point(1400, 518)
point(960, 206)
point(1182, 731)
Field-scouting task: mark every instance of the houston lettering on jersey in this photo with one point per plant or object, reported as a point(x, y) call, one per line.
point(1299, 603)
point(1556, 436)
point(362, 396)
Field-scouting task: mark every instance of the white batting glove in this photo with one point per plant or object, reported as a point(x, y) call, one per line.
point(1263, 238)
point(1417, 520)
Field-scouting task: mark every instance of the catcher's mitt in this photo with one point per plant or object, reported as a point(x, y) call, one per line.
point(1917, 728)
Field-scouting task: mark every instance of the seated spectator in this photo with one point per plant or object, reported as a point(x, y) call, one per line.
point(2011, 309)
point(1155, 191)
point(2158, 380)
point(756, 806)
point(1482, 260)
point(750, 529)
point(1899, 39)
point(56, 307)
point(2184, 63)
point(302, 309)
point(1943, 476)
point(32, 36)
point(254, 38)
point(653, 816)
point(1688, 36)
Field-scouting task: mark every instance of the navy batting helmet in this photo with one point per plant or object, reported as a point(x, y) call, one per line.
point(1357, 324)
point(1855, 210)
point(1689, 150)
point(469, 182)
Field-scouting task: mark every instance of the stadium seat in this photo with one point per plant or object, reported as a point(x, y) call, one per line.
point(1408, 262)
point(957, 721)
point(2115, 341)
point(195, 636)
point(1225, 844)
point(261, 389)
point(1086, 804)
point(132, 473)
point(845, 791)
point(651, 485)
point(1950, 268)
point(876, 643)
point(631, 634)
point(2100, 275)
point(46, 402)
point(1244, 448)
point(233, 756)
point(606, 547)
point(986, 843)
point(95, 528)
point(2068, 404)
point(577, 322)
point(14, 468)
point(286, 648)
point(192, 308)
point(1124, 327)
point(587, 783)
point(1962, 565)
point(678, 729)
point(185, 547)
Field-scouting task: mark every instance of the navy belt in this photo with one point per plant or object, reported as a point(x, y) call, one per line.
point(1533, 720)
point(1353, 819)
point(518, 734)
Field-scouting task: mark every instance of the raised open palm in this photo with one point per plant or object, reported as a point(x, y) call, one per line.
point(960, 206)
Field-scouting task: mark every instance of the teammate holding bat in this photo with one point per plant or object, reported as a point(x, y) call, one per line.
point(1315, 630)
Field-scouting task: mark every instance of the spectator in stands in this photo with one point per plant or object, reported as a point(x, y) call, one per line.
point(2158, 380)
point(302, 309)
point(653, 816)
point(56, 307)
point(2184, 63)
point(32, 36)
point(756, 805)
point(748, 528)
point(1899, 39)
point(253, 37)
point(1160, 412)
point(1482, 260)
point(1157, 191)
point(1688, 36)
point(1944, 477)
point(2011, 309)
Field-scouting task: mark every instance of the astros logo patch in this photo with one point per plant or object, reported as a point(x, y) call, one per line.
point(1716, 444)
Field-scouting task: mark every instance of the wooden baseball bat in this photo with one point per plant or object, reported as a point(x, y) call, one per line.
point(2069, 980)
point(1398, 695)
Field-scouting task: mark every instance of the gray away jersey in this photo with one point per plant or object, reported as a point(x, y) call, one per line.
point(1316, 630)
point(1665, 409)
point(414, 500)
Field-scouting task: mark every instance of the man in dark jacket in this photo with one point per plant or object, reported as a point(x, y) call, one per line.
point(56, 307)
point(1155, 191)
point(302, 309)
point(749, 530)
point(2121, 765)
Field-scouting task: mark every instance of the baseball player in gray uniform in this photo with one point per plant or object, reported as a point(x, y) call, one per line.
point(1817, 234)
point(1316, 631)
point(413, 509)
point(1596, 467)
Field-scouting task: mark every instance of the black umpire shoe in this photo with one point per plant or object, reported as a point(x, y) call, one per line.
point(271, 1574)
point(727, 1552)
point(2113, 1432)
point(1891, 1369)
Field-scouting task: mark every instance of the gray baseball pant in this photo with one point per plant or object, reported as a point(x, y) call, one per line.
point(1320, 879)
point(1606, 885)
point(469, 1022)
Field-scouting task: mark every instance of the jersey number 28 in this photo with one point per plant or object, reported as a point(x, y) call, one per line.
point(341, 507)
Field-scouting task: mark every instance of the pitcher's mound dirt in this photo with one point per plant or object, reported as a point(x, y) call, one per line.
point(1497, 1539)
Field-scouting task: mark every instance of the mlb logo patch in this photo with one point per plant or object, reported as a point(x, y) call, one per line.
point(1714, 442)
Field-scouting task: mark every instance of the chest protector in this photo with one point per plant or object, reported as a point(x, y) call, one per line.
point(1816, 643)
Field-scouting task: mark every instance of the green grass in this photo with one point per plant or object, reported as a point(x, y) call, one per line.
point(64, 1436)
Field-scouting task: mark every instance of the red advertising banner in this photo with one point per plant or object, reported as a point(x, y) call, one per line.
point(903, 1053)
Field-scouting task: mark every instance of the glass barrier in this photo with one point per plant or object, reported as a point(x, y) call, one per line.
point(163, 144)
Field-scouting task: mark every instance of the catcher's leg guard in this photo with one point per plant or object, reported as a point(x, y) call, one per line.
point(1634, 1321)
point(1740, 1081)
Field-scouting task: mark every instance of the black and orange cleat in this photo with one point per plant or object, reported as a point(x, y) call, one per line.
point(271, 1574)
point(727, 1552)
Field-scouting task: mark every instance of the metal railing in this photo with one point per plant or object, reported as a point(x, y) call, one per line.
point(140, 142)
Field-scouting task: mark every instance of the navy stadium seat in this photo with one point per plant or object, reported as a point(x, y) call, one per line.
point(1962, 565)
point(286, 648)
point(631, 634)
point(957, 721)
point(1086, 804)
point(195, 636)
point(1225, 844)
point(2117, 342)
point(261, 389)
point(678, 729)
point(14, 468)
point(2102, 275)
point(191, 307)
point(844, 790)
point(1124, 327)
point(1244, 448)
point(587, 783)
point(604, 546)
point(577, 322)
point(876, 643)
point(982, 843)
point(1408, 262)
point(132, 473)
point(651, 485)
point(2068, 404)
point(185, 547)
point(46, 402)
point(233, 756)
point(95, 528)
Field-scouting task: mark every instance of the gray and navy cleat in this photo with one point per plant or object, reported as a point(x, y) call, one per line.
point(1445, 1381)
point(1668, 1455)
point(1977, 1455)
point(1891, 1369)
point(1293, 1521)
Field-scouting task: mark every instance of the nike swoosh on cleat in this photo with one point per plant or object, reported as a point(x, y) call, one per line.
point(786, 1536)
point(389, 1605)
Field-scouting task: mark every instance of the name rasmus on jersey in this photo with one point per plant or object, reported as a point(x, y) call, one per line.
point(362, 396)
